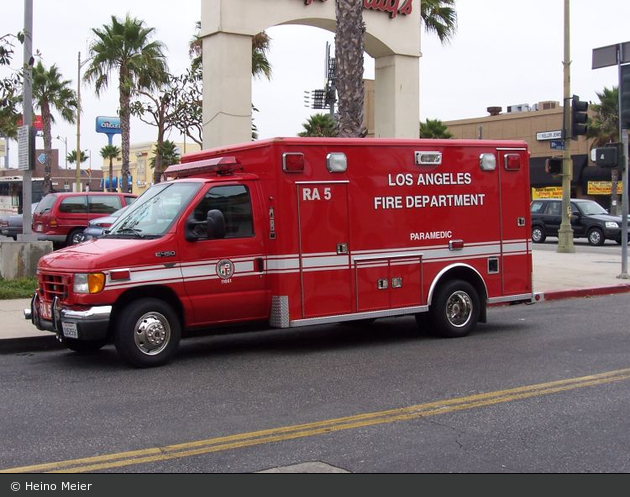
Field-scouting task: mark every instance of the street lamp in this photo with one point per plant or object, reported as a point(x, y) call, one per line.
point(65, 142)
point(80, 64)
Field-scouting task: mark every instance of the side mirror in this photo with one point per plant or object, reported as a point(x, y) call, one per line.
point(215, 225)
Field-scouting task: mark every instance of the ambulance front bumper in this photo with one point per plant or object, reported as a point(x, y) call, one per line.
point(90, 323)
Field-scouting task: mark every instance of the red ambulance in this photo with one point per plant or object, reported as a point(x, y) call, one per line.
point(300, 231)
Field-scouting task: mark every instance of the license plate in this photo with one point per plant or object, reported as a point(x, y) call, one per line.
point(45, 311)
point(70, 330)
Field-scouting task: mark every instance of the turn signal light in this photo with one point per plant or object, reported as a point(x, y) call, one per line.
point(87, 283)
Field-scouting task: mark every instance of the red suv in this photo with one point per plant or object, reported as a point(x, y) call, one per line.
point(62, 217)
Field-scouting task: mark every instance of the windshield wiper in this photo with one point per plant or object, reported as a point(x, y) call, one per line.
point(128, 231)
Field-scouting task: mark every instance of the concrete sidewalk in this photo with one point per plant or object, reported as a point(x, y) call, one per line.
point(582, 273)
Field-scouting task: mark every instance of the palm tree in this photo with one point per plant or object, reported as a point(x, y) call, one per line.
point(168, 154)
point(261, 43)
point(349, 42)
point(110, 152)
point(604, 125)
point(52, 92)
point(319, 125)
point(603, 128)
point(434, 128)
point(439, 17)
point(125, 46)
point(72, 157)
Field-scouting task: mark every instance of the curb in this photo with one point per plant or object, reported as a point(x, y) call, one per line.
point(44, 343)
point(29, 344)
point(585, 292)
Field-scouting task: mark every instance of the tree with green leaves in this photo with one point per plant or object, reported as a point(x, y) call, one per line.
point(110, 152)
point(439, 17)
point(349, 43)
point(603, 128)
point(168, 154)
point(319, 125)
point(10, 87)
point(434, 128)
point(125, 46)
point(52, 92)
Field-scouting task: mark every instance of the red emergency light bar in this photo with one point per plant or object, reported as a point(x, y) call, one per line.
point(220, 165)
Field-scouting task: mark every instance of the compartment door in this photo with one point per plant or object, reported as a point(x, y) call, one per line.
point(515, 231)
point(324, 248)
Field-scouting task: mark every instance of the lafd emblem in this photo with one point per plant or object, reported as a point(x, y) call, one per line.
point(225, 269)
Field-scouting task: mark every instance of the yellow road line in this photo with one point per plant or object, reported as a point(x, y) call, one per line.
point(121, 459)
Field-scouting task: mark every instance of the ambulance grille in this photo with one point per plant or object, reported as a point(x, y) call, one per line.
point(53, 285)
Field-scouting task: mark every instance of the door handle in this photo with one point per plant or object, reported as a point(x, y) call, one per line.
point(259, 265)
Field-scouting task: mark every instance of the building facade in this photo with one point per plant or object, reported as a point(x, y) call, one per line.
point(540, 125)
point(140, 169)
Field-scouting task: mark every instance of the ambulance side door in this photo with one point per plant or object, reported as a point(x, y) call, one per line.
point(225, 278)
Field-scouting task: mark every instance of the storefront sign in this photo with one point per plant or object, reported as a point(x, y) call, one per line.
point(108, 125)
point(393, 7)
point(602, 188)
point(547, 192)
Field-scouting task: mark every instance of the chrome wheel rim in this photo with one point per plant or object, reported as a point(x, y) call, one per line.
point(152, 333)
point(595, 237)
point(459, 309)
point(536, 235)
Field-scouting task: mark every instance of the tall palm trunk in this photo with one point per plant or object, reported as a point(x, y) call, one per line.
point(47, 129)
point(125, 128)
point(349, 41)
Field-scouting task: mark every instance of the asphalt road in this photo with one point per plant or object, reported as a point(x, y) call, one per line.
point(376, 398)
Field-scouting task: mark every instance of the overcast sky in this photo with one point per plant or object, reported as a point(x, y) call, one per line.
point(505, 52)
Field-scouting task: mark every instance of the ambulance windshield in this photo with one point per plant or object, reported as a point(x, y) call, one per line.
point(154, 212)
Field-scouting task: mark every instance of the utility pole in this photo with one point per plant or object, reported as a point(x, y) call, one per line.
point(27, 104)
point(77, 180)
point(619, 55)
point(565, 233)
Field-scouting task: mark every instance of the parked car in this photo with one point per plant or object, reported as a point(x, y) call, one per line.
point(588, 220)
point(62, 217)
point(12, 225)
point(97, 227)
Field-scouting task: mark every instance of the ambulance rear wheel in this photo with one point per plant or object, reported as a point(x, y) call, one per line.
point(455, 310)
point(147, 333)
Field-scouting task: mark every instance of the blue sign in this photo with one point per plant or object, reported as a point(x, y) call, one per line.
point(108, 125)
point(557, 144)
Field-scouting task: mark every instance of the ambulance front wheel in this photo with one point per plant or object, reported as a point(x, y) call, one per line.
point(147, 333)
point(455, 310)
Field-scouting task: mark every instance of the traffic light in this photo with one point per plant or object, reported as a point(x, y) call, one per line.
point(624, 97)
point(579, 117)
point(553, 165)
point(607, 156)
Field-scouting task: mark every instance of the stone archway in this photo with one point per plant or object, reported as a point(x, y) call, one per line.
point(227, 27)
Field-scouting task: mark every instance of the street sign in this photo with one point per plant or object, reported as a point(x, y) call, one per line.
point(549, 135)
point(26, 148)
point(607, 56)
point(556, 144)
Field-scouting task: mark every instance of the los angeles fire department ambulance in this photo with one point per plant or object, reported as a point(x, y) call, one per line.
point(300, 231)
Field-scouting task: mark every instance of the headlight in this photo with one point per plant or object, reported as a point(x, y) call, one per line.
point(88, 282)
point(611, 224)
